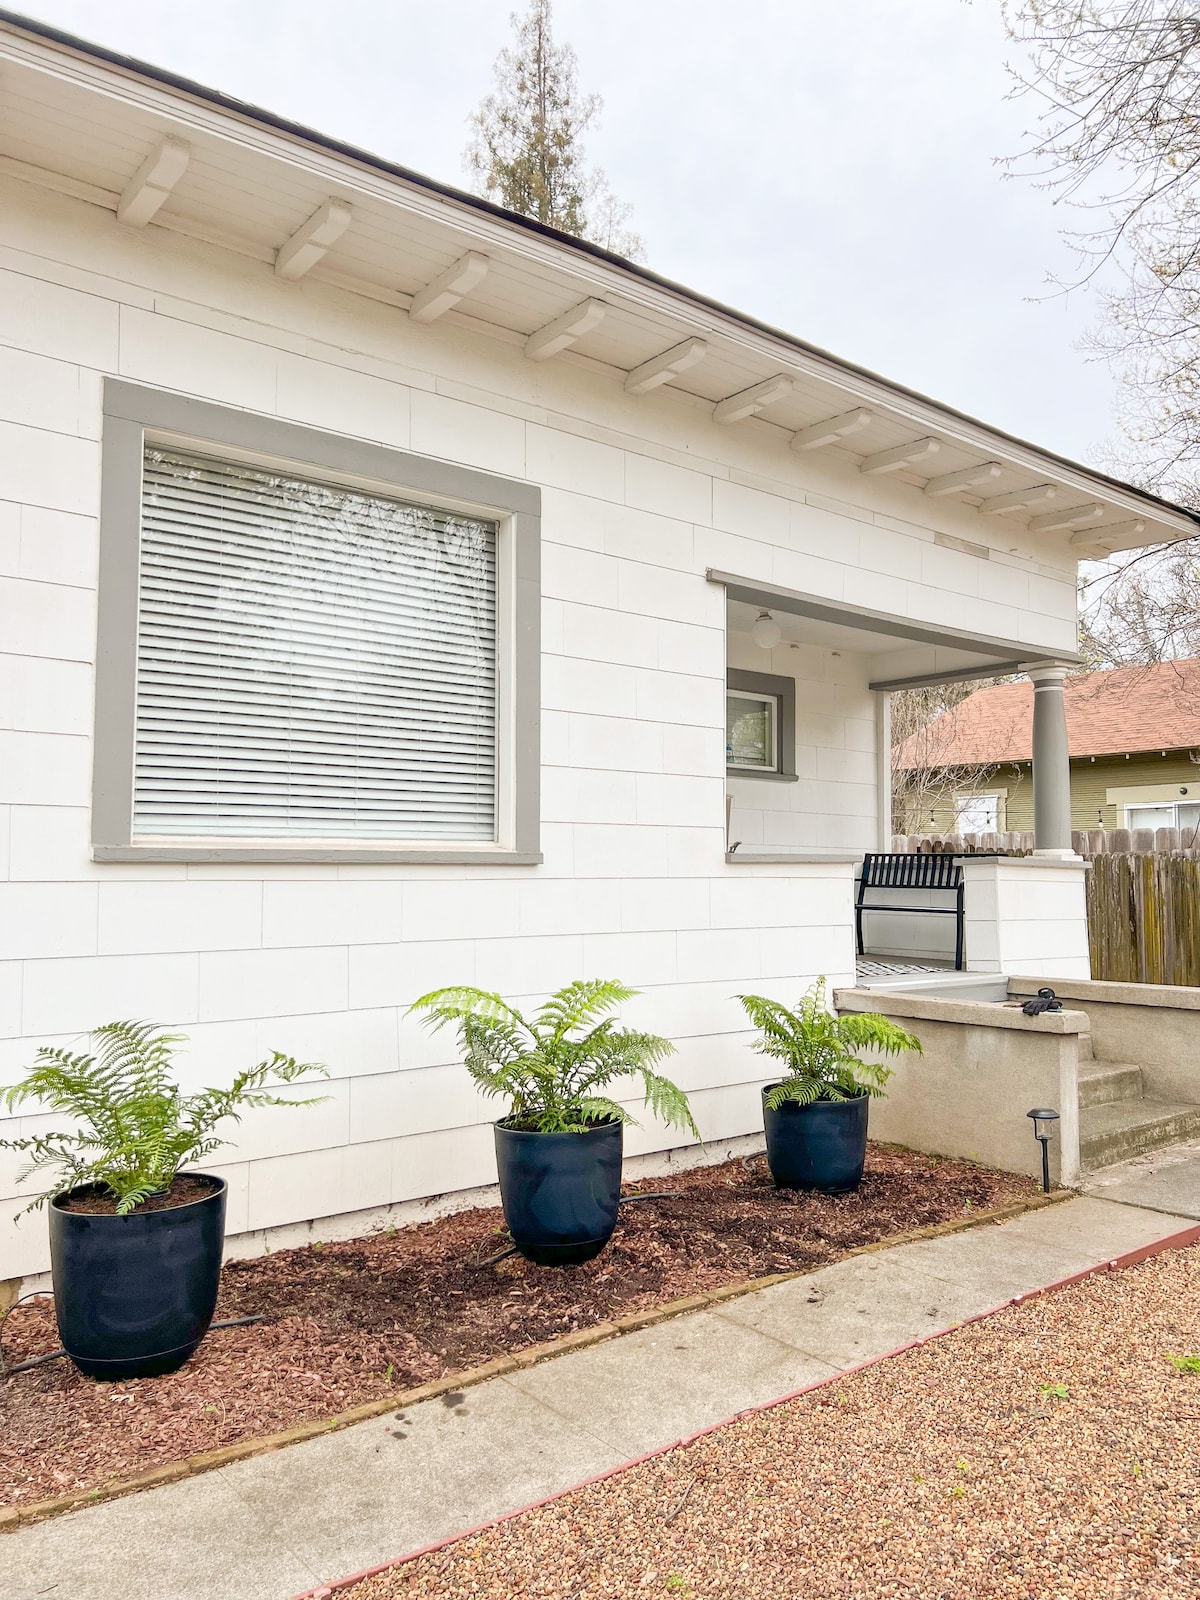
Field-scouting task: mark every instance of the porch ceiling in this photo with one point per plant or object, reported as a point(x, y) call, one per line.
point(906, 653)
point(79, 120)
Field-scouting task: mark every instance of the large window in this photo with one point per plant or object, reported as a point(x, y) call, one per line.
point(310, 648)
point(313, 661)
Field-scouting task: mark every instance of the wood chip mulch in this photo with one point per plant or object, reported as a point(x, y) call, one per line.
point(354, 1321)
point(1050, 1452)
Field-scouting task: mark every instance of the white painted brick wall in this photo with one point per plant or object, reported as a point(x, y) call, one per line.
point(638, 498)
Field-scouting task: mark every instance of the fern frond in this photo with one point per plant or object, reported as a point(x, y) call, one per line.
point(802, 1090)
point(866, 1030)
point(578, 1003)
point(668, 1102)
point(600, 1108)
point(819, 1048)
point(133, 1129)
point(551, 1072)
point(465, 1000)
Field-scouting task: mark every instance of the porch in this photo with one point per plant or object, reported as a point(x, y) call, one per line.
point(808, 768)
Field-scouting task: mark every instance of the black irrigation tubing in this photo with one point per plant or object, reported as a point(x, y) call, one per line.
point(55, 1355)
point(490, 1261)
point(511, 1250)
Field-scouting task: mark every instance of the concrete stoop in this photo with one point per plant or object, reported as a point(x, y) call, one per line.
point(1118, 1120)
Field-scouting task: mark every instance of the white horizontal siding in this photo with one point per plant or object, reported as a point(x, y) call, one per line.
point(321, 961)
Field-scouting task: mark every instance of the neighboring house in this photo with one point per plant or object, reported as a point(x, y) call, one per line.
point(1134, 741)
point(396, 592)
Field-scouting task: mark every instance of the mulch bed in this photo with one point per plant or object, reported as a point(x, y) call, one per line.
point(352, 1322)
point(1050, 1452)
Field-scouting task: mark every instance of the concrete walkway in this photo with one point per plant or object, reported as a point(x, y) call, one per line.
point(1163, 1180)
point(268, 1528)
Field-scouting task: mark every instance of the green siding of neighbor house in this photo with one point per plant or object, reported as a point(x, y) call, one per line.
point(1090, 781)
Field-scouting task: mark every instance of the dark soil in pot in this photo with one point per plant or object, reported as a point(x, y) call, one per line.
point(134, 1295)
point(560, 1191)
point(97, 1201)
point(818, 1146)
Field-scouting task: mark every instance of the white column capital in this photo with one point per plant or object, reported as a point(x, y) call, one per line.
point(1049, 674)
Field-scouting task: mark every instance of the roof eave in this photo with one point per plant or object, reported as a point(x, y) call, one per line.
point(923, 410)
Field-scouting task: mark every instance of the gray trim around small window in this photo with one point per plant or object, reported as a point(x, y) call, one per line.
point(783, 690)
point(129, 410)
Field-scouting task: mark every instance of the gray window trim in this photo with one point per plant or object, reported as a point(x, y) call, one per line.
point(129, 410)
point(784, 690)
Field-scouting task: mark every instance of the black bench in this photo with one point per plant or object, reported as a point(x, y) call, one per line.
point(911, 871)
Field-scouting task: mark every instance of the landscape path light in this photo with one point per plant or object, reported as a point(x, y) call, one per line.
point(1043, 1128)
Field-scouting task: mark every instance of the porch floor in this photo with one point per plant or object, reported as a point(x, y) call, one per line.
point(870, 966)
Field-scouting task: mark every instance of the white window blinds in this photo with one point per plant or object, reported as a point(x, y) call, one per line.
point(313, 661)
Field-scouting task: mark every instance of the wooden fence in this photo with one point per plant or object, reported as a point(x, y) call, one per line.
point(1089, 843)
point(1143, 896)
point(1144, 917)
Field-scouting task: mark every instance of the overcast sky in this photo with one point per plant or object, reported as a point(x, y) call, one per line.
point(825, 165)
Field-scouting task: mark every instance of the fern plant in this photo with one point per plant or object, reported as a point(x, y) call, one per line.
point(819, 1050)
point(133, 1128)
point(553, 1066)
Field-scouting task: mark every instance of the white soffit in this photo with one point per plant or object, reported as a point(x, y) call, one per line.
point(80, 124)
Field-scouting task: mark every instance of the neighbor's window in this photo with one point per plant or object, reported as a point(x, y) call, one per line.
point(313, 660)
point(1179, 815)
point(752, 730)
point(977, 813)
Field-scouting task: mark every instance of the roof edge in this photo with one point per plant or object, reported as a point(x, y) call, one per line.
point(300, 132)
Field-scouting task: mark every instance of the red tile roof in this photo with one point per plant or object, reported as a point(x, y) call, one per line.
point(1127, 710)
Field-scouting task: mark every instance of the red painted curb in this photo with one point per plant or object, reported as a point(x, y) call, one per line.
point(1131, 1258)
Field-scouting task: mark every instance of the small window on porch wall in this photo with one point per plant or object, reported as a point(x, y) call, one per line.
point(760, 725)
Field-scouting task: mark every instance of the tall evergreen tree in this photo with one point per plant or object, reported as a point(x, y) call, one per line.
point(527, 153)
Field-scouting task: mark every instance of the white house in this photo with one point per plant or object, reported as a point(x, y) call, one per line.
point(379, 578)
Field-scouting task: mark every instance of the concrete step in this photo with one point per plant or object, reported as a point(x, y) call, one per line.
point(1103, 1081)
point(1119, 1129)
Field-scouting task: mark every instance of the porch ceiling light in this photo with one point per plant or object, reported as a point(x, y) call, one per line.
point(766, 632)
point(1043, 1128)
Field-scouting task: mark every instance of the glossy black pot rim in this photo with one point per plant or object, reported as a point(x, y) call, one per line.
point(855, 1100)
point(537, 1133)
point(140, 1216)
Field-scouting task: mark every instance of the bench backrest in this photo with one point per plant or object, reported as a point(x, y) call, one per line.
point(910, 870)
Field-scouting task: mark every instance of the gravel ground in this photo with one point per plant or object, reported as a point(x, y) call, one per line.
point(351, 1322)
point(1051, 1452)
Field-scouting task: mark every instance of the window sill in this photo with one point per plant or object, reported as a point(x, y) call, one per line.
point(334, 855)
point(762, 777)
point(758, 855)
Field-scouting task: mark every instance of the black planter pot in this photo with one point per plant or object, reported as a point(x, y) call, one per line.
point(560, 1191)
point(134, 1295)
point(819, 1146)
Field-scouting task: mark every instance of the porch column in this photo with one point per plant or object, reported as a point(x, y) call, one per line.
point(883, 769)
point(1051, 764)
